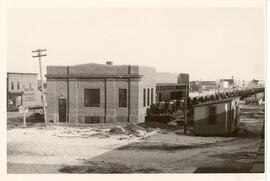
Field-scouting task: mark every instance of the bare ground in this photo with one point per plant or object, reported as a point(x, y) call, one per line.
point(60, 149)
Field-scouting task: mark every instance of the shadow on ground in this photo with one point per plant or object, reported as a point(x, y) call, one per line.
point(240, 162)
point(105, 168)
point(149, 157)
point(32, 120)
point(160, 146)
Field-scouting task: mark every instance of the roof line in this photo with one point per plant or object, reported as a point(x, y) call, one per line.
point(22, 73)
point(217, 101)
point(94, 76)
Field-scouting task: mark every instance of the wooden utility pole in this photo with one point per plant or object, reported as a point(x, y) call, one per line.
point(24, 120)
point(39, 55)
point(185, 109)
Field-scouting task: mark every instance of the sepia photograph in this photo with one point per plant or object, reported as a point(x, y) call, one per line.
point(137, 89)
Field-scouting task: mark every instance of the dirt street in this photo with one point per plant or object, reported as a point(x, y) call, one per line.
point(62, 149)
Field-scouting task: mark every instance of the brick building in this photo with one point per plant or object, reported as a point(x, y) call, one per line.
point(171, 86)
point(170, 91)
point(96, 93)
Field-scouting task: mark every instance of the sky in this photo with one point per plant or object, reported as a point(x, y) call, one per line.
point(208, 43)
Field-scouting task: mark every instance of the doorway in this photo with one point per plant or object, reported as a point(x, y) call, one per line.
point(62, 110)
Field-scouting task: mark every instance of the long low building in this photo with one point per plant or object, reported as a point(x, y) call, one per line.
point(216, 118)
point(99, 93)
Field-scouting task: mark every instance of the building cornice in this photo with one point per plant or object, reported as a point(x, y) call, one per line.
point(22, 73)
point(95, 76)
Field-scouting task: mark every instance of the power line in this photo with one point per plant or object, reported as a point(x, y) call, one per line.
point(39, 55)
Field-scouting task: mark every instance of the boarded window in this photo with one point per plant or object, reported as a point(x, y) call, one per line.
point(122, 97)
point(148, 97)
point(91, 97)
point(212, 115)
point(91, 120)
point(152, 95)
point(144, 97)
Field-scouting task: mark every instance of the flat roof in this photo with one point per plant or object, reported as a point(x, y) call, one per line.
point(97, 76)
point(25, 73)
point(160, 84)
point(100, 64)
point(217, 101)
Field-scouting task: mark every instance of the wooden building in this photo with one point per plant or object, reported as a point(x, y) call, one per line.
point(216, 118)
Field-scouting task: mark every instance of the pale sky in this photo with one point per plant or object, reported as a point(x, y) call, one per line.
point(207, 43)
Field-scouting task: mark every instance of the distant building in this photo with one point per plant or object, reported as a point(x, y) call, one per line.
point(208, 85)
point(252, 84)
point(183, 78)
point(170, 91)
point(18, 84)
point(261, 83)
point(216, 118)
point(226, 85)
point(96, 93)
point(194, 86)
point(202, 88)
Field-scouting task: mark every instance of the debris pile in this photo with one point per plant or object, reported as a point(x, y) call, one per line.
point(129, 129)
point(116, 130)
point(157, 125)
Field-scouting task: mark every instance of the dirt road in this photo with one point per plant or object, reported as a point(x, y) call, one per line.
point(93, 150)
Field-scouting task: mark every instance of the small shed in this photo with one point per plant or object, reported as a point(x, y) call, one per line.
point(216, 118)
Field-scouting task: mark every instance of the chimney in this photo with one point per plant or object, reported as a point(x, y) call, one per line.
point(109, 63)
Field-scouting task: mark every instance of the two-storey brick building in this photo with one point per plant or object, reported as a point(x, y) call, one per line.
point(17, 84)
point(97, 93)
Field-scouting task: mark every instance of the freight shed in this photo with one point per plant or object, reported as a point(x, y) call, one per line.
point(216, 118)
